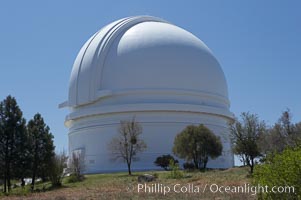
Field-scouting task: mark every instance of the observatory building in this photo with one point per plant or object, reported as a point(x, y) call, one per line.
point(148, 68)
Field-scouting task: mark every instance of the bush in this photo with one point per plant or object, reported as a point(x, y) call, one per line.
point(189, 166)
point(73, 178)
point(175, 170)
point(164, 160)
point(77, 164)
point(281, 169)
point(58, 163)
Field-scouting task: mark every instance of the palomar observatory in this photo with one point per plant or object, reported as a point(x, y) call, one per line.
point(148, 68)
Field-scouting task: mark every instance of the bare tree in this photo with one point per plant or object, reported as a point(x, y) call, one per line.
point(127, 144)
point(281, 135)
point(77, 164)
point(57, 166)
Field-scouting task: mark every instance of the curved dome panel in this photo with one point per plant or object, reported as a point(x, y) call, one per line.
point(144, 53)
point(155, 55)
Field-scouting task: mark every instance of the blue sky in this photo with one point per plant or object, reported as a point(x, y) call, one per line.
point(257, 43)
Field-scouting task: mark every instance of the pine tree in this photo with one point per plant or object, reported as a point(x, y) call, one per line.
point(22, 165)
point(12, 129)
point(42, 147)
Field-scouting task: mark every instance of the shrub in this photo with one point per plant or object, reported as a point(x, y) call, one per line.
point(281, 169)
point(77, 164)
point(58, 163)
point(73, 178)
point(189, 166)
point(175, 170)
point(164, 160)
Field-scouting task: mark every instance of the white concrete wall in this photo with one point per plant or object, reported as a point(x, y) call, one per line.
point(159, 130)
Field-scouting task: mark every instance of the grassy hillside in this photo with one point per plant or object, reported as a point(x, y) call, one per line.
point(121, 186)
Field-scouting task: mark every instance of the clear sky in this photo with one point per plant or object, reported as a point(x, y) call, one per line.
point(258, 44)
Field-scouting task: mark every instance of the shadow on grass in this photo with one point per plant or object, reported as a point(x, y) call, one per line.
point(127, 175)
point(49, 188)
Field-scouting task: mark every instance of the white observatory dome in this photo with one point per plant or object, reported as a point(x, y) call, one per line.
point(151, 69)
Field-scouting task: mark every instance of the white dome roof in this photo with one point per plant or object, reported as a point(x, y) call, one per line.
point(145, 54)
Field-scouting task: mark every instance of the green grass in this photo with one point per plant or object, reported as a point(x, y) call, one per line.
point(114, 186)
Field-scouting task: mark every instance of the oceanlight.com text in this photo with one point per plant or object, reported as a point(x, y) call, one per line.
point(246, 188)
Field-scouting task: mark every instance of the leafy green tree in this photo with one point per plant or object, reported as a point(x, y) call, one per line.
point(128, 143)
point(12, 130)
point(245, 136)
point(197, 143)
point(42, 147)
point(164, 161)
point(280, 169)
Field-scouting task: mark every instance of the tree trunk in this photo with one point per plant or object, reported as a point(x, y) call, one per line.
point(33, 181)
point(8, 179)
point(4, 187)
point(129, 168)
point(196, 164)
point(252, 165)
point(205, 163)
point(6, 166)
point(22, 182)
point(8, 184)
point(33, 177)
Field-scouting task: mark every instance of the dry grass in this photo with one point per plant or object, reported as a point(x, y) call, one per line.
point(114, 186)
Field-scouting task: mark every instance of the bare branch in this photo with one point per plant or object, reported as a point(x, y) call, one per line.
point(127, 144)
